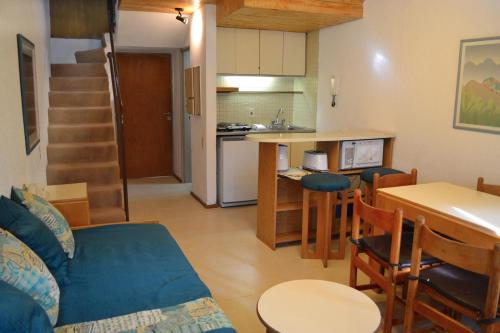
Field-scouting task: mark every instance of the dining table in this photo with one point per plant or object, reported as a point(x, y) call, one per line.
point(461, 213)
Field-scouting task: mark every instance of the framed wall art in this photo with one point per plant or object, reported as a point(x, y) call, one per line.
point(27, 75)
point(477, 104)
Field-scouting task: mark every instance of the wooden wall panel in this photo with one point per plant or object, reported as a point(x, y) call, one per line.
point(78, 18)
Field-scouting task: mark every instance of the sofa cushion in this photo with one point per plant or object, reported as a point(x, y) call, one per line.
point(121, 269)
point(49, 215)
point(20, 313)
point(30, 230)
point(23, 269)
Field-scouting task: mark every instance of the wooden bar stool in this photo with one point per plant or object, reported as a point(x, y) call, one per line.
point(324, 185)
point(367, 177)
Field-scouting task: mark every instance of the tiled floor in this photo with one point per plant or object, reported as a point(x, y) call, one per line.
point(222, 246)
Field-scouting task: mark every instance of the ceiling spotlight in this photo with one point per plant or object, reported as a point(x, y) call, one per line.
point(179, 17)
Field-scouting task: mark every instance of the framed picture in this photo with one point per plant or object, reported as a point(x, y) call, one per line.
point(477, 104)
point(27, 75)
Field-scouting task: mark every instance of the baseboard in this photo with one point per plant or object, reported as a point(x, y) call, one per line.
point(177, 177)
point(203, 203)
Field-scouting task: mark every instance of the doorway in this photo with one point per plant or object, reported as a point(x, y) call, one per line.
point(146, 89)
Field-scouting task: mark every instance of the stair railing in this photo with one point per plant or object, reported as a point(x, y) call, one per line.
point(118, 103)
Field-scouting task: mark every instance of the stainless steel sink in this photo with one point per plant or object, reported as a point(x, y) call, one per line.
point(286, 128)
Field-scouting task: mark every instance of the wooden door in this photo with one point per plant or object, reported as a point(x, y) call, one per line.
point(146, 87)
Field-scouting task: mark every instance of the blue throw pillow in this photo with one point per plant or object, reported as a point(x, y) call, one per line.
point(49, 215)
point(36, 235)
point(20, 313)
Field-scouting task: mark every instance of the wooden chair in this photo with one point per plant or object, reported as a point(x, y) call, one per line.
point(487, 188)
point(392, 180)
point(469, 284)
point(387, 246)
point(367, 177)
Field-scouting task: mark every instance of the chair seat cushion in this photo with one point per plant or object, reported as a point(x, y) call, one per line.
point(463, 287)
point(367, 175)
point(381, 247)
point(326, 182)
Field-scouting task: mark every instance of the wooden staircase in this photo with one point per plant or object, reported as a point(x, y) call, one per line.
point(82, 143)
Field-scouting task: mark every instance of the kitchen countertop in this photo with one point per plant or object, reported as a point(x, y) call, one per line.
point(318, 136)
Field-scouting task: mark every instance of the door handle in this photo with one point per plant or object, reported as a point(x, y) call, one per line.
point(168, 115)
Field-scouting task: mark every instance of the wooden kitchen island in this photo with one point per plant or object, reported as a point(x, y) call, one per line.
point(279, 203)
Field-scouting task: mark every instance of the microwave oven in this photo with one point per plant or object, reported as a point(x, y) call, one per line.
point(361, 154)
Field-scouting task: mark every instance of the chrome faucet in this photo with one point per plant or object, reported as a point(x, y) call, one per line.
point(276, 122)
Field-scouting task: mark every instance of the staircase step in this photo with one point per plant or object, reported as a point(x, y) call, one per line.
point(78, 98)
point(105, 196)
point(79, 83)
point(104, 173)
point(59, 70)
point(91, 56)
point(80, 115)
point(81, 133)
point(107, 215)
point(82, 152)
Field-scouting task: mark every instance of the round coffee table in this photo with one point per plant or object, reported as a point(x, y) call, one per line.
point(317, 306)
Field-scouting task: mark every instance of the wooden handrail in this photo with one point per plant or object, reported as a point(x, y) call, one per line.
point(118, 102)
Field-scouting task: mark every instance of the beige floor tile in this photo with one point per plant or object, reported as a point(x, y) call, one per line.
point(221, 245)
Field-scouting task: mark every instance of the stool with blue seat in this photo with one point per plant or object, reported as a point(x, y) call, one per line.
point(367, 177)
point(327, 188)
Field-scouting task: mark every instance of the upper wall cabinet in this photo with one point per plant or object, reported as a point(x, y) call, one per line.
point(226, 51)
point(264, 52)
point(247, 51)
point(294, 53)
point(271, 52)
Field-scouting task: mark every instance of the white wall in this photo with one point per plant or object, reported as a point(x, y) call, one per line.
point(62, 50)
point(203, 128)
point(149, 29)
point(398, 70)
point(31, 19)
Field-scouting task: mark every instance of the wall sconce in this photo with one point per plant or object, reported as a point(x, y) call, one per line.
point(334, 87)
point(179, 17)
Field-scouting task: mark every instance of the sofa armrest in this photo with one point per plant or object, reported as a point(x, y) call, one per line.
point(114, 223)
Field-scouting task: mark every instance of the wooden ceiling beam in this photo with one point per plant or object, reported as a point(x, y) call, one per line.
point(162, 6)
point(287, 15)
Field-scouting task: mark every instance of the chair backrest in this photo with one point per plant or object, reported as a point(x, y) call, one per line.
point(393, 180)
point(380, 221)
point(487, 188)
point(468, 257)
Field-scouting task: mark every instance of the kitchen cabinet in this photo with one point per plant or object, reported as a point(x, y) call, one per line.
point(294, 53)
point(271, 52)
point(192, 88)
point(264, 52)
point(247, 51)
point(226, 50)
point(72, 201)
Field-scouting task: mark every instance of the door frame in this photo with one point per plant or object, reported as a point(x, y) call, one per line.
point(177, 92)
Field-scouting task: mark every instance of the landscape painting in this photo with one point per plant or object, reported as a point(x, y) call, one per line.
point(477, 104)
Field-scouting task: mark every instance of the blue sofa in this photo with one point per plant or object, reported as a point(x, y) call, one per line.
point(124, 269)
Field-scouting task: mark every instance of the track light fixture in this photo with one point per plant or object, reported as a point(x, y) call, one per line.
point(179, 16)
